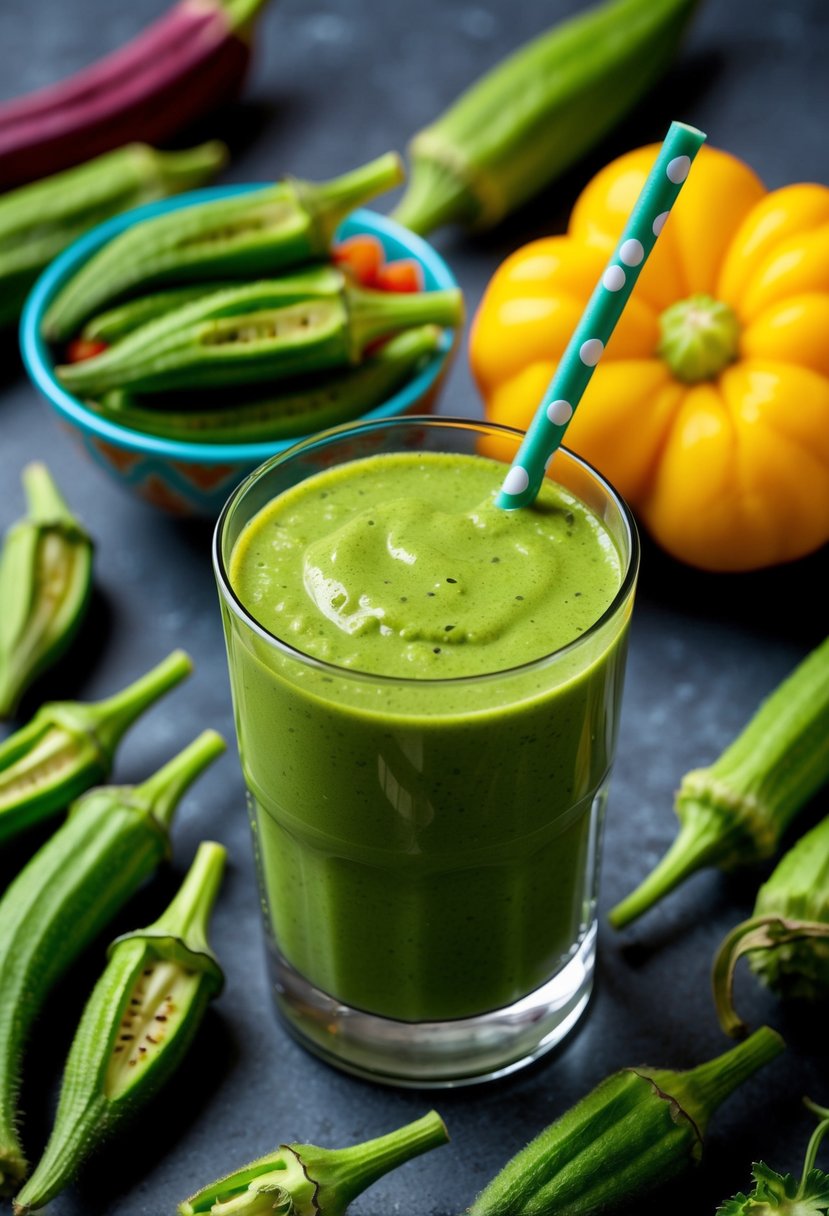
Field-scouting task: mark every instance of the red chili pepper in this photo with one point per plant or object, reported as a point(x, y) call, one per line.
point(363, 256)
point(84, 348)
point(402, 275)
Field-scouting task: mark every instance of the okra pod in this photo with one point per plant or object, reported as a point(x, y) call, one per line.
point(40, 220)
point(260, 232)
point(735, 812)
point(113, 839)
point(787, 938)
point(274, 328)
point(215, 416)
point(115, 323)
point(45, 586)
point(538, 111)
point(303, 1180)
point(636, 1131)
point(69, 746)
point(137, 1025)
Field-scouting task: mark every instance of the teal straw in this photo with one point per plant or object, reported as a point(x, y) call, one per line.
point(600, 317)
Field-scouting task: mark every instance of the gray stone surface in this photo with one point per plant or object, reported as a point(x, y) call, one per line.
point(335, 84)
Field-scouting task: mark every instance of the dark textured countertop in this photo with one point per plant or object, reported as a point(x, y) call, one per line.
point(335, 84)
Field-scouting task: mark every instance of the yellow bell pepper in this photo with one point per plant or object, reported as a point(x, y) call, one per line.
point(710, 409)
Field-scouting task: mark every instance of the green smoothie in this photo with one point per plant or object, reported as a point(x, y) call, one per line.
point(427, 781)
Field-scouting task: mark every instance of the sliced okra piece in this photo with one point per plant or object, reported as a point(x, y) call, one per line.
point(136, 1027)
point(273, 328)
point(311, 404)
point(69, 746)
point(303, 1180)
point(253, 233)
point(117, 322)
point(112, 841)
point(45, 586)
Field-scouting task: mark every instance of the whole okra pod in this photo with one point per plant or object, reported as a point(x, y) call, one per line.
point(113, 839)
point(137, 1025)
point(303, 1180)
point(735, 812)
point(45, 586)
point(316, 402)
point(69, 746)
point(260, 232)
point(636, 1131)
point(278, 327)
point(40, 220)
point(787, 938)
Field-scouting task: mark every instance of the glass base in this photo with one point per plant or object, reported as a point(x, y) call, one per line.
point(464, 1051)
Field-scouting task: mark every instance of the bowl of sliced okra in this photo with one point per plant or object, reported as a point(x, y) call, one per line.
point(186, 341)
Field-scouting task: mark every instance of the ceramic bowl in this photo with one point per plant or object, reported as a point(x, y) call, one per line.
point(195, 478)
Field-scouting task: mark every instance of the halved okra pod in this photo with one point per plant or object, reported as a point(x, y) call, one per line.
point(787, 938)
point(310, 404)
point(303, 1180)
point(273, 328)
point(115, 323)
point(136, 1027)
point(256, 233)
point(636, 1131)
point(735, 812)
point(113, 839)
point(45, 586)
point(38, 221)
point(69, 746)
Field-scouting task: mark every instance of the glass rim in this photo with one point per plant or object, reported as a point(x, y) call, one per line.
point(322, 438)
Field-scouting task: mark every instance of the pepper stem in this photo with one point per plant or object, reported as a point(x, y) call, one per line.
point(46, 504)
point(342, 1174)
point(700, 336)
point(329, 202)
point(163, 791)
point(758, 933)
point(701, 1090)
point(373, 314)
point(190, 167)
point(188, 916)
point(110, 718)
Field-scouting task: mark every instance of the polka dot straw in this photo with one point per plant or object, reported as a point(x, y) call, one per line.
point(599, 319)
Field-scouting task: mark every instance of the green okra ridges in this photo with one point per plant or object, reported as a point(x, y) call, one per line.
point(113, 839)
point(735, 812)
point(256, 233)
point(529, 118)
point(787, 937)
point(303, 1180)
point(68, 746)
point(40, 220)
point(314, 403)
point(273, 328)
point(643, 1126)
point(45, 586)
point(138, 1023)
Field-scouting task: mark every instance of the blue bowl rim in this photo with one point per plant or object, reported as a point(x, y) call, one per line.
point(38, 362)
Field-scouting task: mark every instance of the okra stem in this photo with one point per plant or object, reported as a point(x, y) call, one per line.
point(188, 916)
point(374, 314)
point(735, 812)
point(164, 789)
point(757, 933)
point(702, 1089)
point(187, 168)
point(331, 201)
point(115, 713)
point(44, 500)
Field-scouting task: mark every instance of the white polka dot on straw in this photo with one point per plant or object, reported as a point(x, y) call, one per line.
point(614, 278)
point(659, 222)
point(678, 169)
point(591, 351)
point(559, 412)
point(632, 252)
point(516, 480)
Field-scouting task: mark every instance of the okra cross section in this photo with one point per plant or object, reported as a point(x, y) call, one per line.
point(69, 746)
point(136, 1027)
point(112, 841)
